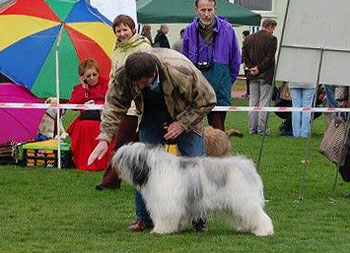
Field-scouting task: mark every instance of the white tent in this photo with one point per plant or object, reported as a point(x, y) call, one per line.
point(113, 8)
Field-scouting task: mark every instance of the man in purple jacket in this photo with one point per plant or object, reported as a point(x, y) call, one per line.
point(210, 43)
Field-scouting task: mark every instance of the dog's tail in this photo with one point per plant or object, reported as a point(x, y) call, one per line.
point(233, 132)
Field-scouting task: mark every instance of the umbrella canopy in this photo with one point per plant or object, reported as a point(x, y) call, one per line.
point(182, 11)
point(29, 32)
point(18, 124)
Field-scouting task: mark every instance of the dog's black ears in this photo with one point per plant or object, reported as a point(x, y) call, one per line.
point(141, 169)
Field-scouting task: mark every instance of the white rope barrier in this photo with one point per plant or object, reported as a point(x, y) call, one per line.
point(217, 108)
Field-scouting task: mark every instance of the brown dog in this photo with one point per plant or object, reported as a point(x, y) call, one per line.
point(217, 142)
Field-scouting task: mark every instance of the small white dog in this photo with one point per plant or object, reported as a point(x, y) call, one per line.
point(178, 189)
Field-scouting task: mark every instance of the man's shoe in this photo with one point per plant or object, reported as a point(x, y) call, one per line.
point(102, 187)
point(286, 133)
point(139, 226)
point(267, 132)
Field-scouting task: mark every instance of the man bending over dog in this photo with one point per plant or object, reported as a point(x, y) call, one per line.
point(171, 96)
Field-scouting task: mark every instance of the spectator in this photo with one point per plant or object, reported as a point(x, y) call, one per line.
point(259, 56)
point(178, 44)
point(84, 129)
point(303, 95)
point(146, 32)
point(161, 39)
point(128, 42)
point(284, 99)
point(245, 34)
point(330, 98)
point(342, 96)
point(330, 95)
point(210, 43)
point(168, 90)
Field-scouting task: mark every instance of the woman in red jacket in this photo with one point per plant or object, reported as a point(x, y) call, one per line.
point(85, 128)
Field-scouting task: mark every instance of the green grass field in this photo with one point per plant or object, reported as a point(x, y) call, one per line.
point(52, 210)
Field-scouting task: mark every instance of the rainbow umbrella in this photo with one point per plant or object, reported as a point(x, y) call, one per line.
point(29, 34)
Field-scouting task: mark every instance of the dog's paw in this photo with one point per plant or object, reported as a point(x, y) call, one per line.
point(263, 231)
point(158, 231)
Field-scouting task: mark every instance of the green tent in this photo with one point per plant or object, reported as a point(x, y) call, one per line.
point(182, 11)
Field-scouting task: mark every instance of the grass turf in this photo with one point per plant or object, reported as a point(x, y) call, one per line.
point(51, 210)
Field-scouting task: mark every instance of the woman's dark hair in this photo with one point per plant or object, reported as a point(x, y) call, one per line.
point(124, 19)
point(140, 65)
point(196, 2)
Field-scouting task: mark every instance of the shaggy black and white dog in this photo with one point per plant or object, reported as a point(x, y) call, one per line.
point(178, 189)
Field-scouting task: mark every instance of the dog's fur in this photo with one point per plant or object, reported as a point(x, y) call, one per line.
point(217, 142)
point(178, 189)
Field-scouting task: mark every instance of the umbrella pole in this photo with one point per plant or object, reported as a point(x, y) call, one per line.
point(58, 119)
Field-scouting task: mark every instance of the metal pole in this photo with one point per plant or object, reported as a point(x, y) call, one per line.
point(58, 119)
point(139, 28)
point(273, 83)
point(307, 150)
point(332, 198)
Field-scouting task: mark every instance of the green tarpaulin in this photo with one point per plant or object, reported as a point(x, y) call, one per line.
point(182, 11)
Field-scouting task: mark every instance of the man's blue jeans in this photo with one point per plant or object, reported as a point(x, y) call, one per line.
point(152, 132)
point(331, 101)
point(330, 93)
point(302, 97)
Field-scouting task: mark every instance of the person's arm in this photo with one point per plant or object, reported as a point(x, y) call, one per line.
point(235, 58)
point(166, 43)
point(185, 43)
point(112, 72)
point(78, 95)
point(117, 102)
point(144, 46)
point(245, 54)
point(269, 57)
point(156, 41)
point(113, 63)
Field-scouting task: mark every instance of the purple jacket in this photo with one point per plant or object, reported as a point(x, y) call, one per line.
point(223, 53)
